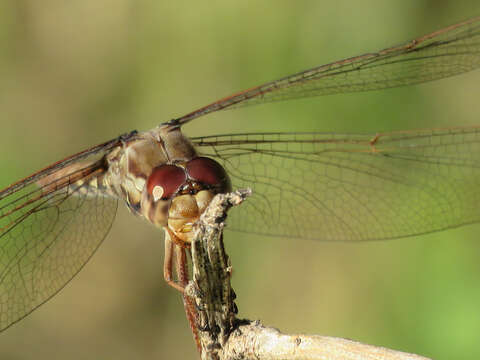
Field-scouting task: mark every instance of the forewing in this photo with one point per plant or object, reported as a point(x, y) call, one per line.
point(49, 229)
point(443, 53)
point(352, 187)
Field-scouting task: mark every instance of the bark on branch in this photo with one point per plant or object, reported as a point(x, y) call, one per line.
point(224, 337)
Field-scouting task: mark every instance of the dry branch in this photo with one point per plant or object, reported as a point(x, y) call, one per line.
point(223, 336)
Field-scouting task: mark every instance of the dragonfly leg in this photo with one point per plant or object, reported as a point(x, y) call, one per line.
point(181, 265)
point(175, 251)
point(168, 264)
point(183, 278)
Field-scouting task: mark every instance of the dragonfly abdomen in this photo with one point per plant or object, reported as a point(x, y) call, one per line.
point(95, 186)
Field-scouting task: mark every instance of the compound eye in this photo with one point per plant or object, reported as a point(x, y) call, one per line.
point(208, 171)
point(164, 181)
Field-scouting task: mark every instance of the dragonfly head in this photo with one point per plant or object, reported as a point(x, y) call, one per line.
point(176, 195)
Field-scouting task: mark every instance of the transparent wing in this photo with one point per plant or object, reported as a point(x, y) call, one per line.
point(51, 223)
point(446, 52)
point(352, 187)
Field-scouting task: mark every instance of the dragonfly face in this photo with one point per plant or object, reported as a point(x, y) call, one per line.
point(333, 187)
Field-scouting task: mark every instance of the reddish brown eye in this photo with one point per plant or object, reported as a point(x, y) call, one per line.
point(208, 171)
point(165, 180)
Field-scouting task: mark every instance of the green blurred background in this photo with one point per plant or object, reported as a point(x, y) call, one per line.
point(77, 73)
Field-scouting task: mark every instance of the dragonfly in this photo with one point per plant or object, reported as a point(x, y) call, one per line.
point(325, 186)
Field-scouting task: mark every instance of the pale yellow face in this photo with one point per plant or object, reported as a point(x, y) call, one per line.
point(185, 210)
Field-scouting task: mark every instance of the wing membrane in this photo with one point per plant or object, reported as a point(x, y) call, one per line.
point(447, 52)
point(50, 226)
point(352, 187)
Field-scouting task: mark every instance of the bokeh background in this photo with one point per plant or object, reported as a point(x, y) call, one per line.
point(77, 73)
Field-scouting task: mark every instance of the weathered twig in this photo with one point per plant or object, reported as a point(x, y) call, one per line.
point(223, 336)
